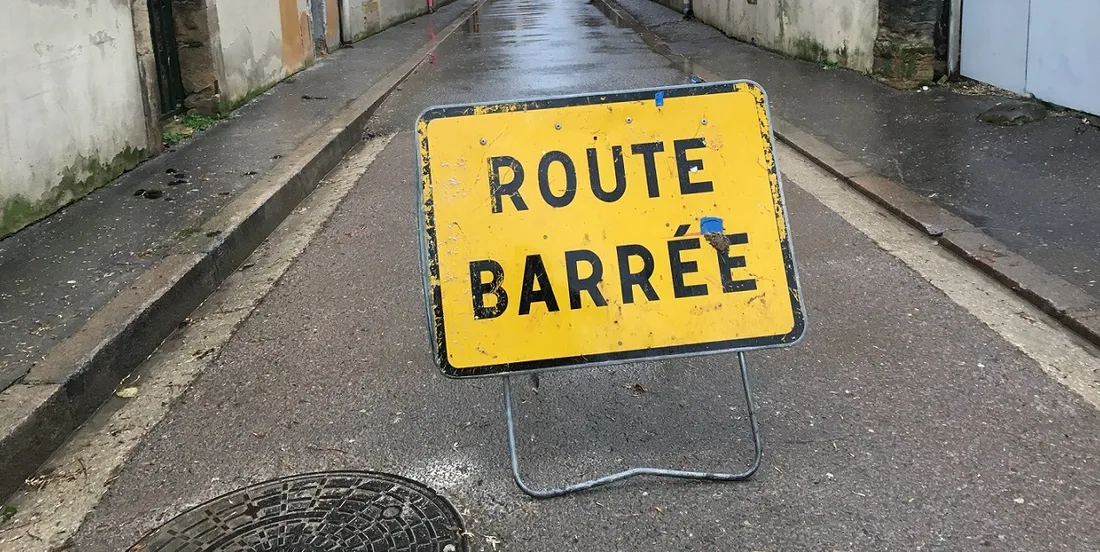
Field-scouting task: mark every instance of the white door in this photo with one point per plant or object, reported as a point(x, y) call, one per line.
point(1063, 55)
point(1049, 48)
point(994, 42)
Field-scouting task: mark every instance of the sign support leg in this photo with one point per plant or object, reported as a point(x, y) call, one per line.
point(660, 472)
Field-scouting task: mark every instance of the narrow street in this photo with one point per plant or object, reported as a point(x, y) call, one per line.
point(928, 408)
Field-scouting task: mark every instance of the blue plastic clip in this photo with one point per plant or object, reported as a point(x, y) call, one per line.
point(711, 225)
point(659, 98)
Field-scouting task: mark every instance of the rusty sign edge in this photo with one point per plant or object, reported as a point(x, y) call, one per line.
point(428, 256)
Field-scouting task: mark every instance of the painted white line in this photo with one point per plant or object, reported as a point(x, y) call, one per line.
point(79, 473)
point(1062, 355)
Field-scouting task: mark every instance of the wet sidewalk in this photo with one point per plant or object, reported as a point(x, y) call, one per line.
point(56, 274)
point(1034, 187)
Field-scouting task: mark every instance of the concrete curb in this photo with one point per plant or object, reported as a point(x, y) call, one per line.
point(79, 374)
point(1067, 303)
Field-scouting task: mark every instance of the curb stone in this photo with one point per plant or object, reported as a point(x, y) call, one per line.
point(79, 374)
point(1067, 303)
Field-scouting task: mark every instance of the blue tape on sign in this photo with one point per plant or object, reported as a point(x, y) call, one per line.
point(659, 98)
point(710, 225)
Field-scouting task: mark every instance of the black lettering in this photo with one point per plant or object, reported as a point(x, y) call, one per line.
point(681, 267)
point(684, 166)
point(728, 263)
point(630, 279)
point(492, 287)
point(589, 284)
point(511, 189)
point(620, 174)
point(646, 151)
point(570, 179)
point(534, 270)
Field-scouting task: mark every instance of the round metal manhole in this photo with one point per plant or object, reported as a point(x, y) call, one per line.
point(350, 511)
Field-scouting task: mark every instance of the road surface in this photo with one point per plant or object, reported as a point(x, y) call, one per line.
point(927, 408)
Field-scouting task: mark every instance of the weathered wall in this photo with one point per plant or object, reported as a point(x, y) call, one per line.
point(147, 75)
point(366, 17)
point(392, 12)
point(332, 24)
point(361, 19)
point(261, 42)
point(837, 31)
point(905, 49)
point(71, 107)
point(197, 42)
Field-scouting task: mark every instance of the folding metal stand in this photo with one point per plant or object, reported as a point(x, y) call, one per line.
point(591, 483)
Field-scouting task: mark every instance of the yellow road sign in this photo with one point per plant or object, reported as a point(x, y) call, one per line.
point(594, 229)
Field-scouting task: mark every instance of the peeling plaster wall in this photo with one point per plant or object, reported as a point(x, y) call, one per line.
point(838, 31)
point(361, 19)
point(392, 12)
point(332, 24)
point(261, 42)
point(366, 17)
point(72, 115)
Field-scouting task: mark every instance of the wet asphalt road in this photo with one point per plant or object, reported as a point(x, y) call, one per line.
point(901, 422)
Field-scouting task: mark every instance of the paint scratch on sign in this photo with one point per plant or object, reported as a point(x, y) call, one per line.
point(500, 108)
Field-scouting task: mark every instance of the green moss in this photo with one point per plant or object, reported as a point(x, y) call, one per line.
point(172, 138)
point(225, 107)
point(809, 49)
point(7, 512)
point(77, 181)
point(188, 232)
point(841, 54)
point(366, 33)
point(903, 64)
point(198, 122)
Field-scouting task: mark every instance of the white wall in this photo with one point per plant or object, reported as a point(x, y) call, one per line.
point(250, 34)
point(362, 18)
point(392, 12)
point(70, 97)
point(843, 31)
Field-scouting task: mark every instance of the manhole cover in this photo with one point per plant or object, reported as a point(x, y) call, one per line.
point(331, 511)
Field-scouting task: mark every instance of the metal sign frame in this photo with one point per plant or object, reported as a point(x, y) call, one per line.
point(434, 307)
point(753, 466)
point(429, 260)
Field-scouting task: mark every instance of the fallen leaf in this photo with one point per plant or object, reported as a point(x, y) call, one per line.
point(127, 392)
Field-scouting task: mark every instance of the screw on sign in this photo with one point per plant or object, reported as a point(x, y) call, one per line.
point(620, 226)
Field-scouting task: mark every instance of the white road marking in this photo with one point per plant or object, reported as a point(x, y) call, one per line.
point(81, 471)
point(1068, 359)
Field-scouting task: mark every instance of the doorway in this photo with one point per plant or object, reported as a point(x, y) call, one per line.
point(166, 53)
